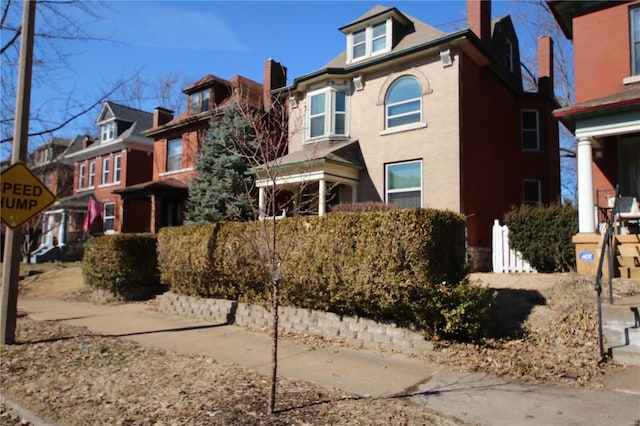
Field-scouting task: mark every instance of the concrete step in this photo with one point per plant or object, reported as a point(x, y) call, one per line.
point(629, 355)
point(628, 239)
point(629, 250)
point(621, 336)
point(630, 273)
point(621, 330)
point(628, 262)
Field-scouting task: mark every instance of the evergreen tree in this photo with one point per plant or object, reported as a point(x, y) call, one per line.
point(219, 190)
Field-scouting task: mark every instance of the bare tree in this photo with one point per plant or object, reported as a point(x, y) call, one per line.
point(263, 142)
point(60, 25)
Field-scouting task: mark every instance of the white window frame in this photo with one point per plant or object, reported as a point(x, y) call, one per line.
point(92, 174)
point(369, 41)
point(536, 182)
point(108, 131)
point(106, 166)
point(388, 191)
point(117, 169)
point(109, 217)
point(81, 177)
point(387, 106)
point(330, 113)
point(530, 130)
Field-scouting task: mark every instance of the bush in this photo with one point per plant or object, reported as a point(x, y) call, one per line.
point(400, 266)
point(543, 235)
point(124, 264)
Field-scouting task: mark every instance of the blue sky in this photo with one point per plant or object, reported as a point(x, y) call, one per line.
point(224, 38)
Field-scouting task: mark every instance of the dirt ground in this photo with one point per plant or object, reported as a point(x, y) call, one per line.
point(543, 327)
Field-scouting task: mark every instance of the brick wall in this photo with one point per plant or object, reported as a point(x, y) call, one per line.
point(360, 332)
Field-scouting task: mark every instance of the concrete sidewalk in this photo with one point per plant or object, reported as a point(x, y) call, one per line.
point(472, 397)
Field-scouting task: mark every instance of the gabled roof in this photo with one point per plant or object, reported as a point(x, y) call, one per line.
point(418, 34)
point(375, 15)
point(111, 110)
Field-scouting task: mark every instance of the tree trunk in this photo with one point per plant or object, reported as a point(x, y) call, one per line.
point(274, 347)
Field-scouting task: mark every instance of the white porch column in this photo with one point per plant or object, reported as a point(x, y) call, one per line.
point(322, 197)
point(261, 202)
point(586, 220)
point(62, 231)
point(51, 223)
point(354, 194)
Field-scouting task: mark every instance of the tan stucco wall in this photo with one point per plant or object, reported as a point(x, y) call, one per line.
point(437, 144)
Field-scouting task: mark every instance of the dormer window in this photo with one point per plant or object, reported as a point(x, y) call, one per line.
point(200, 101)
point(108, 131)
point(369, 41)
point(509, 56)
point(327, 113)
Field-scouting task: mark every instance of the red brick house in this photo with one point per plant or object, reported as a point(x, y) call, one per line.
point(606, 122)
point(414, 116)
point(121, 156)
point(178, 141)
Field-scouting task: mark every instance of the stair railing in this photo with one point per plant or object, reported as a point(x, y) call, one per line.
point(607, 250)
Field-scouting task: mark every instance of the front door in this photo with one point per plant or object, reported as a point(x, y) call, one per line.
point(629, 170)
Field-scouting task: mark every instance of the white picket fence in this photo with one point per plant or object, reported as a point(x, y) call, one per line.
point(505, 259)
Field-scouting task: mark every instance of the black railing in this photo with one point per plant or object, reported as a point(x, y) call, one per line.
point(607, 250)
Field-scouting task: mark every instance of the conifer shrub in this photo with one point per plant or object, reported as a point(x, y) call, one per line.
point(125, 264)
point(543, 235)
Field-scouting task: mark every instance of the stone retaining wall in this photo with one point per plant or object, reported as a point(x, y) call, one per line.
point(360, 332)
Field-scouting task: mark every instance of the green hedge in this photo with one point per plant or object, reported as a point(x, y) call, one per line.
point(543, 235)
point(403, 266)
point(121, 263)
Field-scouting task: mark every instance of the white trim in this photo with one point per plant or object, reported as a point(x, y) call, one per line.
point(173, 172)
point(631, 79)
point(403, 128)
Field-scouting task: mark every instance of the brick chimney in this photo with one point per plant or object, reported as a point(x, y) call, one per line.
point(545, 65)
point(162, 116)
point(275, 77)
point(479, 19)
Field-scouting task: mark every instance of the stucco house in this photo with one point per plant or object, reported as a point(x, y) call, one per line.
point(605, 119)
point(410, 115)
point(177, 141)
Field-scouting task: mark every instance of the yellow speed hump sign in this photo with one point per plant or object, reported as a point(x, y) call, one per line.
point(23, 195)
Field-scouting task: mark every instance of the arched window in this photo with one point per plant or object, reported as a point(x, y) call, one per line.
point(403, 104)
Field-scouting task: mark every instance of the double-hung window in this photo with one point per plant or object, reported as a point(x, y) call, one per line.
point(532, 191)
point(92, 174)
point(81, 177)
point(635, 41)
point(108, 131)
point(117, 168)
point(369, 41)
point(403, 183)
point(403, 103)
point(106, 165)
point(327, 114)
point(174, 154)
point(109, 217)
point(530, 130)
point(200, 101)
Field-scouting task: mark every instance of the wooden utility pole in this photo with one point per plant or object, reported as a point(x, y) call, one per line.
point(13, 239)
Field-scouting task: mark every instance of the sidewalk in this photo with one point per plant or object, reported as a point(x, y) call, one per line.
point(472, 397)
